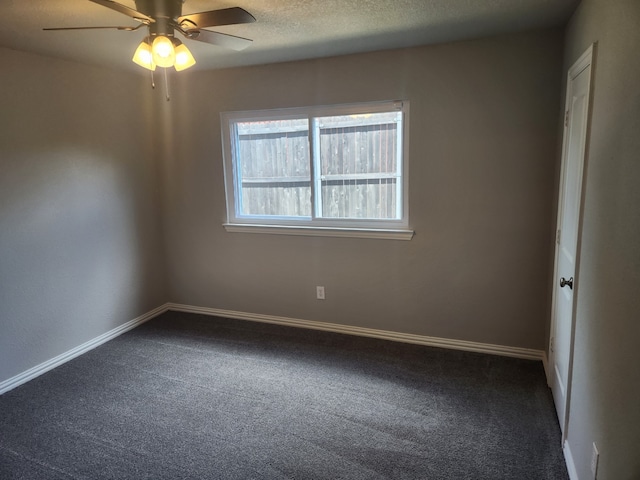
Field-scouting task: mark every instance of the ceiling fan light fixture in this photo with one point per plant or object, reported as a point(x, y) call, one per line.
point(163, 18)
point(163, 52)
point(143, 56)
point(184, 59)
point(176, 55)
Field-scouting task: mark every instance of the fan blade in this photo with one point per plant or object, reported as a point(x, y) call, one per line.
point(220, 39)
point(215, 18)
point(130, 12)
point(128, 29)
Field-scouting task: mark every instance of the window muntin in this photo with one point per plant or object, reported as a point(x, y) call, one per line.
point(340, 166)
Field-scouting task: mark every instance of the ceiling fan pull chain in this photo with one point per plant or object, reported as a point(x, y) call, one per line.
point(166, 84)
point(153, 83)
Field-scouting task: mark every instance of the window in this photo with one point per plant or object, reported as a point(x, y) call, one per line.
point(337, 170)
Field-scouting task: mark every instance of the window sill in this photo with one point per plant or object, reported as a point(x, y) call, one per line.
point(386, 234)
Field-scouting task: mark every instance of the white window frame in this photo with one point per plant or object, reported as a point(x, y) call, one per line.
point(397, 229)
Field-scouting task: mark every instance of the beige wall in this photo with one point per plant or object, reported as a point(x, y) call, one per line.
point(483, 144)
point(82, 219)
point(79, 207)
point(605, 401)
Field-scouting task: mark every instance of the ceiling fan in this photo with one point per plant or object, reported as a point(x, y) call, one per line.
point(163, 17)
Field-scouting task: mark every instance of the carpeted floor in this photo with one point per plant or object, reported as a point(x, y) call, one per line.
point(189, 396)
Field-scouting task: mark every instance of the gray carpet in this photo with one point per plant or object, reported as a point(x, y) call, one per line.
point(189, 396)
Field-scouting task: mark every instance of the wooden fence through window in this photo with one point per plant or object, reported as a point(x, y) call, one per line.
point(356, 166)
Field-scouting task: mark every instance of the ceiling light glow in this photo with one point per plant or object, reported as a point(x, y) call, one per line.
point(163, 52)
point(164, 55)
point(143, 56)
point(184, 59)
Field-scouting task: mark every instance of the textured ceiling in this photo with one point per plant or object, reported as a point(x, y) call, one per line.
point(284, 30)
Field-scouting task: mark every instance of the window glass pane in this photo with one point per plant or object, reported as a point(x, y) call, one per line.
point(273, 168)
point(359, 199)
point(359, 162)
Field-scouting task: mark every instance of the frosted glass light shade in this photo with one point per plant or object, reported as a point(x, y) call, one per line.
point(163, 52)
point(164, 55)
point(143, 56)
point(184, 59)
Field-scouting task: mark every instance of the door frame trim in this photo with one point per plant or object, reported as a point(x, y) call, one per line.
point(584, 61)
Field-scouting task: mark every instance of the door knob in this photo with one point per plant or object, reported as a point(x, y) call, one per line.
point(564, 282)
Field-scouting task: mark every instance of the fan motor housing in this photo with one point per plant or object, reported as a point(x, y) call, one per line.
point(163, 11)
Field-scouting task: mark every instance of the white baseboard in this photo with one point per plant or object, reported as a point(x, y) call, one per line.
point(568, 458)
point(503, 350)
point(38, 370)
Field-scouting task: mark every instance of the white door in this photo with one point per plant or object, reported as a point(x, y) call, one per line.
point(565, 277)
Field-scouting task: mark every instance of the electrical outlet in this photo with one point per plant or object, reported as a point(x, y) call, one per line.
point(595, 456)
point(320, 293)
